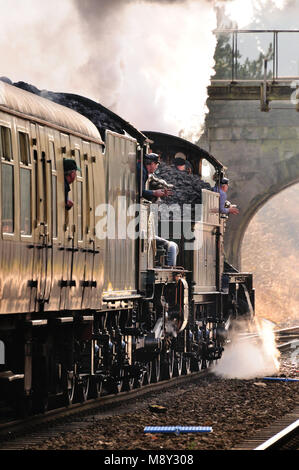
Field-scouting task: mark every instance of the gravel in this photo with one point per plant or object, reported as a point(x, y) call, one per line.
point(235, 409)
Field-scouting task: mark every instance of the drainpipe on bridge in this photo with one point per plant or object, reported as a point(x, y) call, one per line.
point(264, 101)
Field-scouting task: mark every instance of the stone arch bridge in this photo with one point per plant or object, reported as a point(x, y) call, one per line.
point(261, 153)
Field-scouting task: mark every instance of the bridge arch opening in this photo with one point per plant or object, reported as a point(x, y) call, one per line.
point(270, 250)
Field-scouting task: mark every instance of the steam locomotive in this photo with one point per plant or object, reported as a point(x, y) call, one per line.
point(85, 307)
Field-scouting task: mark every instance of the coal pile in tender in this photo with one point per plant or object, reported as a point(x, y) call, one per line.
point(187, 188)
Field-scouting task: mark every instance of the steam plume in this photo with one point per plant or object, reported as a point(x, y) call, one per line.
point(156, 54)
point(148, 60)
point(247, 359)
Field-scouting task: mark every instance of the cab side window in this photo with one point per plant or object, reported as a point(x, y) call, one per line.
point(207, 172)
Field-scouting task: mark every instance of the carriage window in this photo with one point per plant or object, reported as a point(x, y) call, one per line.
point(52, 154)
point(54, 187)
point(54, 205)
point(7, 198)
point(25, 194)
point(80, 210)
point(87, 199)
point(24, 148)
point(5, 147)
point(77, 158)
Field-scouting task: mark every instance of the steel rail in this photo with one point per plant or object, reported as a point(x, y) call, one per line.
point(277, 434)
point(280, 437)
point(16, 427)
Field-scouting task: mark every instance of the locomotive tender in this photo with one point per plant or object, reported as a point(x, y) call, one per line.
point(81, 312)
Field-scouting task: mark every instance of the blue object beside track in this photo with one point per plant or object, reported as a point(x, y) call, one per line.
point(177, 429)
point(281, 379)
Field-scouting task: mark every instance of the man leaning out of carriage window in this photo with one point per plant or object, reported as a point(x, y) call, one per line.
point(150, 164)
point(70, 173)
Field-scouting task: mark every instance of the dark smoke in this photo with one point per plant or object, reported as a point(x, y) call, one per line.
point(93, 11)
point(101, 117)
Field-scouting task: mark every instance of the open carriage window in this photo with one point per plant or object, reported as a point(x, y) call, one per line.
point(5, 143)
point(25, 184)
point(24, 149)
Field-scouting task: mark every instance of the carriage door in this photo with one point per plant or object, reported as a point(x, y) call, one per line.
point(42, 239)
point(68, 282)
point(89, 236)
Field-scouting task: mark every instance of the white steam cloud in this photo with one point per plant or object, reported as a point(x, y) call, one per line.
point(149, 61)
point(247, 357)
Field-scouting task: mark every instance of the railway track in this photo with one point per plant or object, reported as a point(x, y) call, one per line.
point(284, 433)
point(281, 435)
point(77, 416)
point(80, 415)
point(285, 338)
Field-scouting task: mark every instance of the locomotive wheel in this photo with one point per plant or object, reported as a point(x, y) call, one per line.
point(24, 406)
point(138, 381)
point(194, 364)
point(69, 388)
point(82, 389)
point(178, 364)
point(167, 365)
point(155, 377)
point(186, 365)
point(127, 381)
point(40, 403)
point(118, 381)
point(96, 387)
point(147, 377)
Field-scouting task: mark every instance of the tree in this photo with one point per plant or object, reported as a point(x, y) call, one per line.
point(249, 69)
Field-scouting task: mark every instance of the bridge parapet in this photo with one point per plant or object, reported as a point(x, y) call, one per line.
point(256, 65)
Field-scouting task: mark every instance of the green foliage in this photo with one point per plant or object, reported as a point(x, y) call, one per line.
point(248, 69)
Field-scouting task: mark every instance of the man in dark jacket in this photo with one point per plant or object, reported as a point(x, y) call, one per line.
point(222, 190)
point(150, 164)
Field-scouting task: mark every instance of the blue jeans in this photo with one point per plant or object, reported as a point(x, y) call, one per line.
point(172, 253)
point(172, 250)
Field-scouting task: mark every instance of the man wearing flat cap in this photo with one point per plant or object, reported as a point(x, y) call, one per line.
point(222, 190)
point(70, 173)
point(150, 164)
point(180, 163)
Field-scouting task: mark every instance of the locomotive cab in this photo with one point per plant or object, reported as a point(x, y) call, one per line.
point(192, 219)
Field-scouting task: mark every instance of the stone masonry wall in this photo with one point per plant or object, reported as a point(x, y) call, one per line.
point(261, 153)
